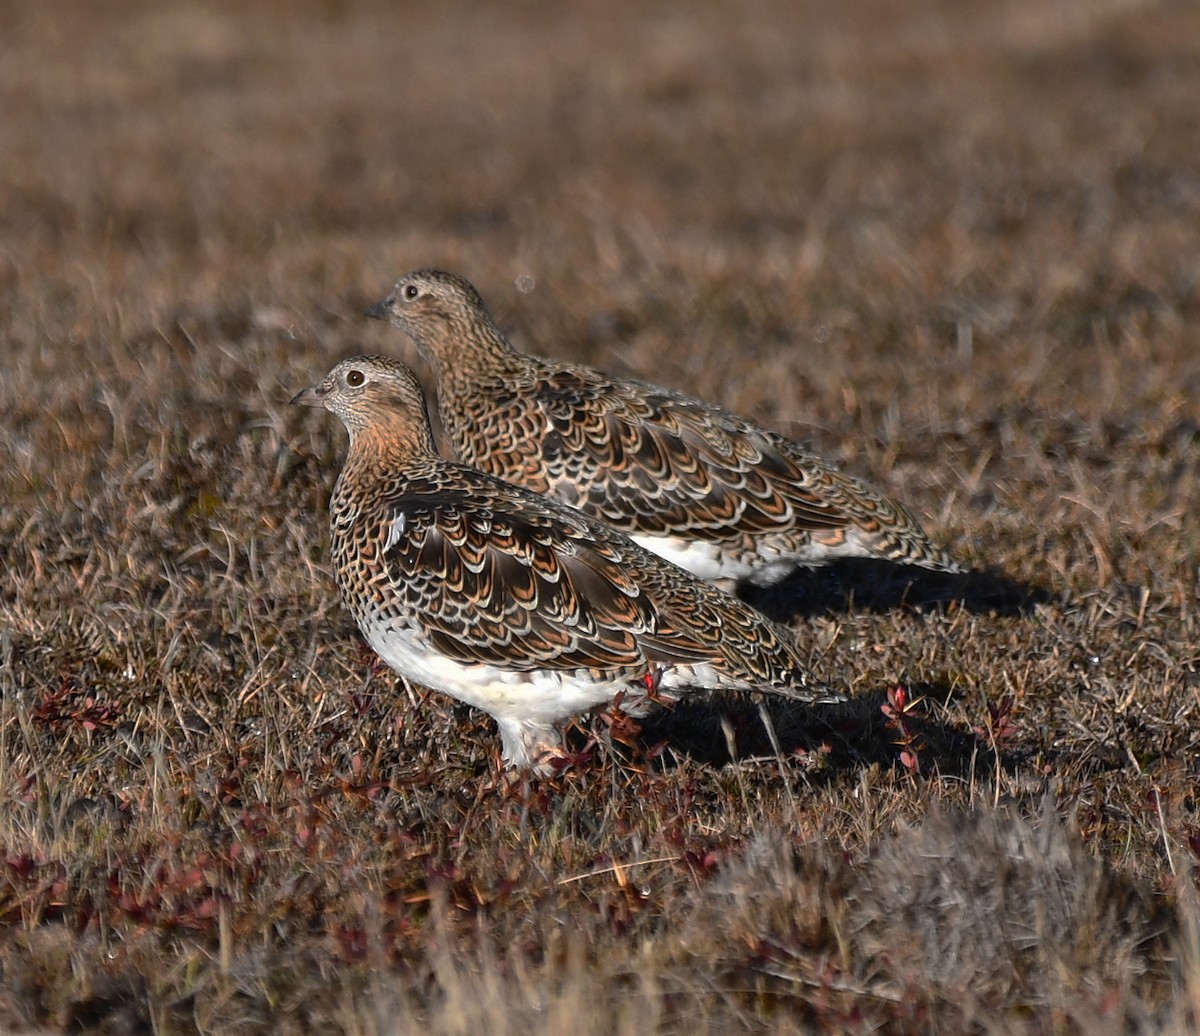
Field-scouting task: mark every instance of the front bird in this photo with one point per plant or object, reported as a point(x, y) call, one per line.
point(510, 601)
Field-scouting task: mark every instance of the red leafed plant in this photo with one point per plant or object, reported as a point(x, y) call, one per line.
point(898, 709)
point(67, 703)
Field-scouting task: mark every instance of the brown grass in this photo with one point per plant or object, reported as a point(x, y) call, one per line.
point(952, 245)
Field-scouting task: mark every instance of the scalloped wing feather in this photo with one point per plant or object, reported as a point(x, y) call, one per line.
point(534, 591)
point(645, 458)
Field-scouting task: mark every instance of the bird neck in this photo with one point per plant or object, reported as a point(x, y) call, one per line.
point(472, 354)
point(384, 447)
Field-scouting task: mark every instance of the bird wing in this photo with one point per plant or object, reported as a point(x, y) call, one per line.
point(516, 585)
point(630, 451)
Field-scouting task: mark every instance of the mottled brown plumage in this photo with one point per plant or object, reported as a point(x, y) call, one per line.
point(511, 601)
point(695, 483)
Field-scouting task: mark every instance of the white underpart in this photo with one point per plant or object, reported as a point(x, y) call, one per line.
point(710, 562)
point(526, 705)
point(702, 559)
point(395, 532)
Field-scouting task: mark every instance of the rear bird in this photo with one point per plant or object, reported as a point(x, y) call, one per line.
point(726, 500)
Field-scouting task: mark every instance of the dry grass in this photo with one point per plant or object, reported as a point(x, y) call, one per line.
point(953, 245)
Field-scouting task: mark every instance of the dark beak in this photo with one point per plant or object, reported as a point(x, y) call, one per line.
point(379, 311)
point(309, 397)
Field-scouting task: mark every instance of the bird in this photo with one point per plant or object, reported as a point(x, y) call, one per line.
point(727, 500)
point(511, 601)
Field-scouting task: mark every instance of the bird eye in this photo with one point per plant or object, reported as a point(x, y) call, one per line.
point(411, 291)
point(355, 378)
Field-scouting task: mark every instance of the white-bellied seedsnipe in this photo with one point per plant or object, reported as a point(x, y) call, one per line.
point(696, 484)
point(511, 601)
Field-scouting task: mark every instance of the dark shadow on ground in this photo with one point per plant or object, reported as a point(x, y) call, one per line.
point(846, 737)
point(861, 584)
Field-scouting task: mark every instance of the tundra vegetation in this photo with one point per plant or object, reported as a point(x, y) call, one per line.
point(950, 245)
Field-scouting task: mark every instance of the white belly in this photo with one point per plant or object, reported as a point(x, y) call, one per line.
point(527, 706)
point(708, 561)
point(545, 696)
point(540, 696)
point(764, 566)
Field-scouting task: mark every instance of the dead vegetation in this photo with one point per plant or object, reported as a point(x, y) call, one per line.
point(953, 246)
